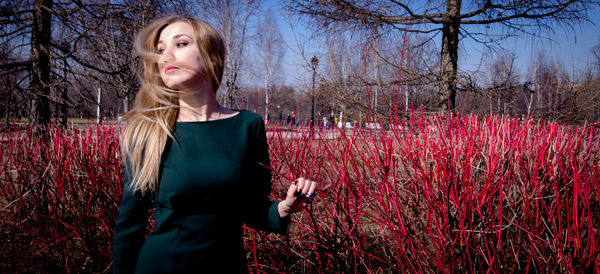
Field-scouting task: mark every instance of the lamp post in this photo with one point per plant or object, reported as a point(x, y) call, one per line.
point(279, 110)
point(314, 62)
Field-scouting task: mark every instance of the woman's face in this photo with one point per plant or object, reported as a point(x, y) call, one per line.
point(180, 63)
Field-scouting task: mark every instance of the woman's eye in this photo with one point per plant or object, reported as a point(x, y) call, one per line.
point(182, 44)
point(161, 51)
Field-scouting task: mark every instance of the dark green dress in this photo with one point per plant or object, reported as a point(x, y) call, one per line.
point(214, 177)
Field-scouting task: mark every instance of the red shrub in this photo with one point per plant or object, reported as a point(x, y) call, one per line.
point(442, 194)
point(436, 194)
point(60, 195)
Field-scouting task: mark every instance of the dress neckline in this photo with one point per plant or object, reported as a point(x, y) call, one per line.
point(209, 121)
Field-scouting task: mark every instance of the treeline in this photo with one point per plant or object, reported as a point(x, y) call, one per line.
point(390, 77)
point(64, 59)
point(380, 57)
point(58, 55)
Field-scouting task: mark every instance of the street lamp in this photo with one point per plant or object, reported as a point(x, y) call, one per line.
point(314, 62)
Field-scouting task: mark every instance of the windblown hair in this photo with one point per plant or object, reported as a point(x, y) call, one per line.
point(151, 120)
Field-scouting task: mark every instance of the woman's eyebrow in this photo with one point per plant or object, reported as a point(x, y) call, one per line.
point(174, 37)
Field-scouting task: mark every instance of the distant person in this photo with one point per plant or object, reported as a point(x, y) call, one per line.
point(288, 120)
point(205, 167)
point(293, 119)
point(331, 120)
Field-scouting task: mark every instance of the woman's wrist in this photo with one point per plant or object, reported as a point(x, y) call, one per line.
point(284, 210)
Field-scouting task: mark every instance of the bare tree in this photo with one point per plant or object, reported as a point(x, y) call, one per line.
point(596, 59)
point(375, 74)
point(285, 98)
point(342, 80)
point(34, 25)
point(102, 59)
point(10, 93)
point(269, 50)
point(115, 52)
point(555, 96)
point(230, 18)
point(60, 53)
point(502, 81)
point(451, 18)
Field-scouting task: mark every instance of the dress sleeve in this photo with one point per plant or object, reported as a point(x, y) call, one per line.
point(262, 213)
point(129, 231)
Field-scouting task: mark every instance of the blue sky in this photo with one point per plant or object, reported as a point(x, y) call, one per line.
point(570, 47)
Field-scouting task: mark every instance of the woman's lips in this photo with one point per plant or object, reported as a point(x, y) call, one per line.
point(170, 68)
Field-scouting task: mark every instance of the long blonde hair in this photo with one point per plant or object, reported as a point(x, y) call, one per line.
point(151, 120)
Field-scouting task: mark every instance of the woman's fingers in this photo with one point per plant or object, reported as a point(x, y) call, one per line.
point(300, 185)
point(304, 188)
point(292, 189)
point(299, 194)
point(311, 189)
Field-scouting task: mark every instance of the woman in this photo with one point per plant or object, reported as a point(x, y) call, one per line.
point(206, 167)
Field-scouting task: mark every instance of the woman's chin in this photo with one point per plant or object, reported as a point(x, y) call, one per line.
point(172, 85)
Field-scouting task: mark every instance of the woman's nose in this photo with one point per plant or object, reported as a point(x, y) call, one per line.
point(167, 56)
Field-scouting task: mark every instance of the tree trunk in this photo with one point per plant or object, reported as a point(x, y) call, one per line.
point(449, 56)
point(63, 112)
point(62, 105)
point(266, 99)
point(40, 61)
point(125, 104)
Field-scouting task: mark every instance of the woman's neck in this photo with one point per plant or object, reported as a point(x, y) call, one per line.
point(198, 106)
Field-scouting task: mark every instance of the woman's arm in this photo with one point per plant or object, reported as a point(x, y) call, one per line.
point(259, 211)
point(263, 213)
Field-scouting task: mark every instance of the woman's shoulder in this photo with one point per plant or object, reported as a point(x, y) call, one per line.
point(249, 116)
point(252, 122)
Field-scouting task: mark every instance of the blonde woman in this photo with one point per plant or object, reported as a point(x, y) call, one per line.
point(205, 167)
